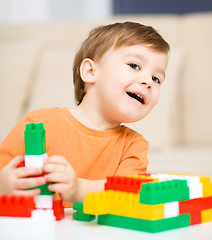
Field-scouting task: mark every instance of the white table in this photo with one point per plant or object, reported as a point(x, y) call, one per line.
point(23, 229)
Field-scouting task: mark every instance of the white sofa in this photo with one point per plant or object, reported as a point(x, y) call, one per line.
point(36, 72)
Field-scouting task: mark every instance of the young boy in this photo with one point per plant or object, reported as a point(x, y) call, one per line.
point(117, 76)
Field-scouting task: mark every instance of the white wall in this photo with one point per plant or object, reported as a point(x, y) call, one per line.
point(21, 11)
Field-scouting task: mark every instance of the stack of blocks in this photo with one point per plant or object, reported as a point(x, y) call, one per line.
point(150, 202)
point(22, 206)
point(35, 155)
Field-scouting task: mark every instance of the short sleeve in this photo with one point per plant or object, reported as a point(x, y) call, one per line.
point(134, 159)
point(13, 144)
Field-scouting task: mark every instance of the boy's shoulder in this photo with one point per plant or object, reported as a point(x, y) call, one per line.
point(44, 114)
point(132, 133)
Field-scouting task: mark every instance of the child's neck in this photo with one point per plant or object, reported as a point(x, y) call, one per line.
point(91, 118)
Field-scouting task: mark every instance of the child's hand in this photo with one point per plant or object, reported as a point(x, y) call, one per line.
point(14, 180)
point(61, 173)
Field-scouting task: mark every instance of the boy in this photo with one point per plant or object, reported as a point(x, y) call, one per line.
point(117, 76)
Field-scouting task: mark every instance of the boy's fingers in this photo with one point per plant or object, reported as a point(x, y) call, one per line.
point(15, 161)
point(56, 177)
point(57, 160)
point(25, 183)
point(33, 192)
point(49, 167)
point(27, 172)
point(57, 187)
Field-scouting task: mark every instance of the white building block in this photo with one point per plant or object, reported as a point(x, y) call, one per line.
point(43, 215)
point(35, 161)
point(171, 209)
point(44, 201)
point(195, 190)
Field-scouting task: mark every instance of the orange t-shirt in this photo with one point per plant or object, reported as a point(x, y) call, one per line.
point(93, 154)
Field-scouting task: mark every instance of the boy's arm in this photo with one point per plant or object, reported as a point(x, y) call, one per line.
point(85, 186)
point(64, 180)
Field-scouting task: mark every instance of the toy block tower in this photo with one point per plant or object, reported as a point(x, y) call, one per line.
point(35, 155)
point(150, 203)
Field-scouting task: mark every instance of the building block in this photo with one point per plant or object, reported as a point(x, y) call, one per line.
point(195, 217)
point(43, 189)
point(58, 209)
point(126, 184)
point(206, 215)
point(16, 206)
point(145, 225)
point(43, 201)
point(80, 215)
point(171, 209)
point(207, 186)
point(98, 203)
point(162, 192)
point(35, 161)
point(194, 205)
point(34, 137)
point(43, 215)
point(122, 204)
point(169, 201)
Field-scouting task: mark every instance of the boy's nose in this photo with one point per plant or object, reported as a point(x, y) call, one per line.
point(148, 84)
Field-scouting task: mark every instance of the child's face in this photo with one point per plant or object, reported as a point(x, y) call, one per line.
point(127, 82)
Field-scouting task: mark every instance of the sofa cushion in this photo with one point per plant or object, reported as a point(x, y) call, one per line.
point(18, 61)
point(197, 80)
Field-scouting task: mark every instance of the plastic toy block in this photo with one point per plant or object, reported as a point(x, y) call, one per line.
point(122, 204)
point(207, 186)
point(80, 215)
point(35, 141)
point(43, 189)
point(43, 215)
point(195, 205)
point(21, 164)
point(16, 206)
point(98, 203)
point(125, 184)
point(147, 177)
point(206, 215)
point(171, 209)
point(145, 225)
point(195, 190)
point(58, 209)
point(35, 161)
point(195, 218)
point(163, 192)
point(43, 201)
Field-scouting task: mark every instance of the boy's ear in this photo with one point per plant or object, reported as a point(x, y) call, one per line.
point(87, 70)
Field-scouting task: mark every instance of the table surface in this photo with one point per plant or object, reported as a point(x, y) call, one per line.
point(23, 228)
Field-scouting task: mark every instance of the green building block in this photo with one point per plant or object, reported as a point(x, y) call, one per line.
point(35, 140)
point(43, 189)
point(163, 192)
point(80, 215)
point(145, 225)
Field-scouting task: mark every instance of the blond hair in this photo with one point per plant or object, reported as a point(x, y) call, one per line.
point(118, 35)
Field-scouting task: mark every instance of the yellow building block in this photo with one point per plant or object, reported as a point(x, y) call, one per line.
point(206, 215)
point(143, 177)
point(137, 210)
point(207, 186)
point(98, 203)
point(122, 204)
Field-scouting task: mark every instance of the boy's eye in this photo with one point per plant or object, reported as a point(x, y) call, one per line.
point(134, 66)
point(155, 79)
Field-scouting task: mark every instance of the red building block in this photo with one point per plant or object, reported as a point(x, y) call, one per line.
point(195, 217)
point(21, 164)
point(58, 209)
point(195, 205)
point(125, 184)
point(16, 206)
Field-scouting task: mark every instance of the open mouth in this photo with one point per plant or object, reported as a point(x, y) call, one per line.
point(136, 96)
